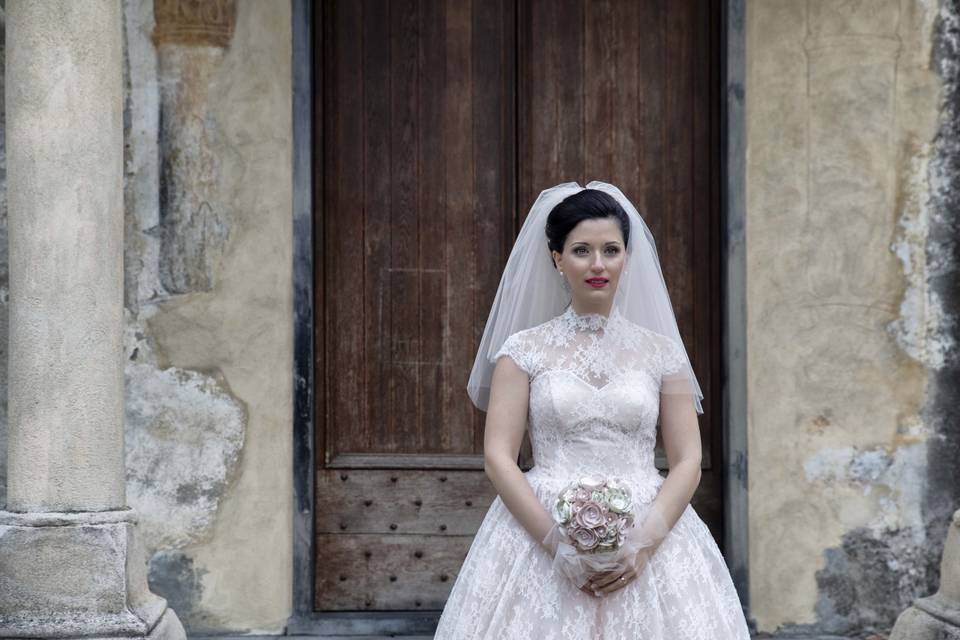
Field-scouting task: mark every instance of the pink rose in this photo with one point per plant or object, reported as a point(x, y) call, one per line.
point(586, 539)
point(590, 515)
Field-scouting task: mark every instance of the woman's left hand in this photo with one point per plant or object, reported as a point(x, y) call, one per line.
point(603, 583)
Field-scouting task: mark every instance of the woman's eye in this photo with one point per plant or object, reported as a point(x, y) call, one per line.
point(582, 250)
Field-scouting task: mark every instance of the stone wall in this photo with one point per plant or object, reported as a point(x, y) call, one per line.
point(852, 360)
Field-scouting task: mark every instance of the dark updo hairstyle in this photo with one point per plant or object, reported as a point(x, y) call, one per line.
point(583, 205)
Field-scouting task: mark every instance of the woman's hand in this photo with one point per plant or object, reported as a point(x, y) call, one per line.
point(607, 582)
point(640, 542)
point(601, 573)
point(579, 567)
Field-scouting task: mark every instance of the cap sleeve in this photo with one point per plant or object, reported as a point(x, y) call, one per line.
point(674, 371)
point(517, 348)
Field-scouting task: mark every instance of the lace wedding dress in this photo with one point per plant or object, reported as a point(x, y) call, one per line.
point(593, 408)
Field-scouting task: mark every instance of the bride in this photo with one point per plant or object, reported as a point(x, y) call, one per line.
point(594, 362)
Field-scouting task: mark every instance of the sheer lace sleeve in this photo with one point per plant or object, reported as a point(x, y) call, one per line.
point(675, 374)
point(517, 347)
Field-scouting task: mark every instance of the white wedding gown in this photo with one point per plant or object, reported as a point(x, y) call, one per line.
point(593, 408)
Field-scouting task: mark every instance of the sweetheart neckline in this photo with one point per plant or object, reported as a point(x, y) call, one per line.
point(596, 389)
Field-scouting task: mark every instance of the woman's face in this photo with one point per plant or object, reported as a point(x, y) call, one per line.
point(592, 260)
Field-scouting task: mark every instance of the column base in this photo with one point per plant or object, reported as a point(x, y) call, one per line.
point(927, 619)
point(78, 575)
point(938, 616)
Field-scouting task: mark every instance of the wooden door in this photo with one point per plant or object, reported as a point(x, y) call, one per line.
point(441, 122)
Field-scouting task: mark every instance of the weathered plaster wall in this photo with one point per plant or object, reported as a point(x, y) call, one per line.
point(208, 299)
point(848, 338)
point(210, 318)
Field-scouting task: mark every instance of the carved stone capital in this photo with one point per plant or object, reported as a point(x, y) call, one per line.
point(207, 23)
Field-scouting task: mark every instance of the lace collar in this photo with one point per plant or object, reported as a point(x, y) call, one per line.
point(593, 321)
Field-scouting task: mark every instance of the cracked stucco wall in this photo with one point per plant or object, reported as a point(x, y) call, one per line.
point(851, 310)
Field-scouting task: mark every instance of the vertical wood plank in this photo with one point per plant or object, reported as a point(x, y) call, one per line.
point(678, 222)
point(377, 176)
point(552, 115)
point(491, 61)
point(404, 276)
point(650, 70)
point(344, 231)
point(601, 82)
point(457, 126)
point(631, 158)
point(433, 309)
point(704, 284)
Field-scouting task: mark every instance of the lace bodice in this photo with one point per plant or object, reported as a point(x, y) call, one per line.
point(594, 395)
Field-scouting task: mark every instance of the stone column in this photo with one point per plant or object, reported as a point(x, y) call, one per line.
point(937, 617)
point(70, 562)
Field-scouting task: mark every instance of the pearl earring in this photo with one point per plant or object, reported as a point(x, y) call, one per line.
point(563, 281)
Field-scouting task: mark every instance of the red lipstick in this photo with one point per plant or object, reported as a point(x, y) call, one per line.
point(597, 283)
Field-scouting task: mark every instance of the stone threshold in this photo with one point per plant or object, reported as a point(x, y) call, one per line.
point(230, 637)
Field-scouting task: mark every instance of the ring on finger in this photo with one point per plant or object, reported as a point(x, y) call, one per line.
point(612, 586)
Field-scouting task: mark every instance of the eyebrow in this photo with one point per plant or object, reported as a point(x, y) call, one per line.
point(616, 242)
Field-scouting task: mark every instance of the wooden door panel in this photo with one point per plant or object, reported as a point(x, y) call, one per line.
point(418, 218)
point(418, 215)
point(426, 503)
point(394, 539)
point(387, 572)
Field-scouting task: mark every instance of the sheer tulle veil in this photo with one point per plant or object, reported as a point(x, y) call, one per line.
point(531, 292)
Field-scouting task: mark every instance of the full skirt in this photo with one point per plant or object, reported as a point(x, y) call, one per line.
point(507, 589)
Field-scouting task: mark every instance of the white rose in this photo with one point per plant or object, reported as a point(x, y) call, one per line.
point(619, 502)
point(591, 482)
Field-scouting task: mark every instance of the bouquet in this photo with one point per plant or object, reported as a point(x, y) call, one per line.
point(595, 513)
point(598, 528)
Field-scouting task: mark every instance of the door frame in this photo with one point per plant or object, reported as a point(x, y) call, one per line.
point(307, 137)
